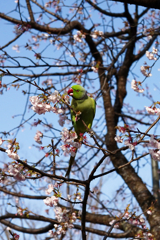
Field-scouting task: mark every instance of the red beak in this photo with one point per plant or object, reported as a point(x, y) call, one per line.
point(70, 92)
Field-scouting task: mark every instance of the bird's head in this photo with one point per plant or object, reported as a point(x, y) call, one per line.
point(77, 92)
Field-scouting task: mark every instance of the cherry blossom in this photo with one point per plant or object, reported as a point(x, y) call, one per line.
point(1, 141)
point(145, 71)
point(50, 189)
point(118, 139)
point(78, 37)
point(68, 136)
point(38, 136)
point(51, 201)
point(62, 119)
point(135, 86)
point(54, 97)
point(66, 149)
point(153, 143)
point(155, 154)
point(39, 106)
point(96, 34)
point(153, 110)
point(129, 144)
point(150, 110)
point(15, 170)
point(115, 225)
point(16, 236)
point(12, 154)
point(16, 48)
point(150, 56)
point(155, 50)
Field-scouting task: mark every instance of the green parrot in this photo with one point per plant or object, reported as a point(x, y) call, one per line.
point(83, 110)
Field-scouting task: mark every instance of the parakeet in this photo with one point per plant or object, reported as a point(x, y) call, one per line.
point(83, 110)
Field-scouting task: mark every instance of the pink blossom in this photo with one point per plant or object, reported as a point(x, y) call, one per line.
point(50, 189)
point(96, 34)
point(66, 149)
point(12, 154)
point(16, 171)
point(153, 143)
point(149, 212)
point(150, 56)
point(118, 139)
point(54, 97)
point(130, 145)
point(122, 129)
point(145, 71)
point(38, 136)
point(1, 141)
point(150, 110)
point(68, 136)
point(39, 106)
point(65, 134)
point(62, 119)
point(78, 37)
point(16, 48)
point(16, 236)
point(73, 151)
point(155, 154)
point(155, 50)
point(135, 86)
point(95, 69)
point(115, 225)
point(51, 201)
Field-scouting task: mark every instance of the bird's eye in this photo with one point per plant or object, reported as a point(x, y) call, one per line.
point(77, 90)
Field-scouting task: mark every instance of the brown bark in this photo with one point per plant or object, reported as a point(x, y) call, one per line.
point(145, 3)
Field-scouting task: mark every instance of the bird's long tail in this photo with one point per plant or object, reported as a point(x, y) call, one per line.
point(71, 161)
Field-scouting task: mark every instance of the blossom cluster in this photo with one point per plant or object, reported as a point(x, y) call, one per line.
point(96, 34)
point(18, 29)
point(153, 110)
point(42, 104)
point(79, 36)
point(16, 170)
point(151, 55)
point(135, 85)
point(155, 153)
point(65, 217)
point(129, 141)
point(38, 137)
point(11, 152)
point(138, 221)
point(69, 146)
point(95, 66)
point(145, 71)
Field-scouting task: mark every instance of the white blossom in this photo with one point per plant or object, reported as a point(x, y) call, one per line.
point(38, 136)
point(54, 97)
point(39, 106)
point(78, 37)
point(145, 72)
point(51, 201)
point(16, 48)
point(118, 139)
point(50, 189)
point(153, 143)
point(155, 154)
point(12, 154)
point(127, 143)
point(16, 171)
point(135, 86)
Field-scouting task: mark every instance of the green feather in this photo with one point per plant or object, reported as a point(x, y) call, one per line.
point(87, 108)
